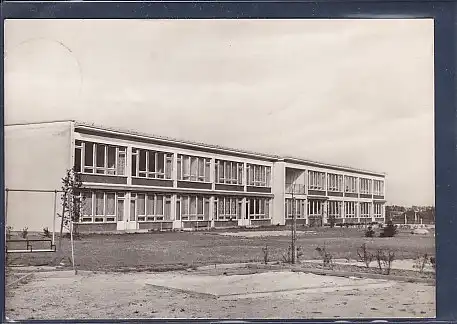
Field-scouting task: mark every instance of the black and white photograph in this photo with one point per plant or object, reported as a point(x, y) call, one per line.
point(219, 169)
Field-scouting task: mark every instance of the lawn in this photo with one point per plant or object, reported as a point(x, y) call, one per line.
point(172, 250)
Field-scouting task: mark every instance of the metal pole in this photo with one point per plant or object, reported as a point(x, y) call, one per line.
point(72, 245)
point(54, 218)
point(294, 225)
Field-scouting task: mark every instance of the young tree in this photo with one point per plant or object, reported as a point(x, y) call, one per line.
point(71, 205)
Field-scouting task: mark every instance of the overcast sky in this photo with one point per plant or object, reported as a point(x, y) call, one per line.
point(351, 92)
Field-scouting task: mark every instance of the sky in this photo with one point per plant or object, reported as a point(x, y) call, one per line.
point(351, 92)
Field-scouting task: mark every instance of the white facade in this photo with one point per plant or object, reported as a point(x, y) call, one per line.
point(137, 181)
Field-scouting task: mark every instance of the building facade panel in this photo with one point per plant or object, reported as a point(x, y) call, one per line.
point(135, 181)
point(36, 159)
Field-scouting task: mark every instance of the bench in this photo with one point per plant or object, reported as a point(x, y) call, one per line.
point(29, 246)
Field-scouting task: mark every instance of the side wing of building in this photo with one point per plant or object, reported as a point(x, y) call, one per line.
point(36, 158)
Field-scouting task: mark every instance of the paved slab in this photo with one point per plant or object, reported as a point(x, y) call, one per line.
point(260, 284)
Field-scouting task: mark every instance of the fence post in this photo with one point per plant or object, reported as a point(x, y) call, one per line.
point(54, 218)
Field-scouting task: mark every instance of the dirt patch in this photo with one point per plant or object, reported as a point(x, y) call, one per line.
point(92, 295)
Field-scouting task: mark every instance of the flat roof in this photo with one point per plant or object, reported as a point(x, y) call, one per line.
point(208, 147)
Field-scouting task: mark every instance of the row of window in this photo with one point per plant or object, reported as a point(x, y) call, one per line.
point(106, 207)
point(335, 208)
point(111, 160)
point(99, 158)
point(149, 164)
point(335, 183)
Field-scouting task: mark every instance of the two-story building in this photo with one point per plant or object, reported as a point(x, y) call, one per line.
point(134, 181)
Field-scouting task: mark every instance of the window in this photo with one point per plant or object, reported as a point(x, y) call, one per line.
point(120, 207)
point(78, 156)
point(151, 164)
point(298, 209)
point(89, 157)
point(365, 186)
point(350, 184)
point(258, 175)
point(152, 207)
point(316, 180)
point(101, 207)
point(259, 208)
point(349, 209)
point(99, 158)
point(378, 210)
point(378, 187)
point(315, 207)
point(193, 208)
point(192, 168)
point(365, 209)
point(228, 208)
point(335, 209)
point(229, 172)
point(335, 182)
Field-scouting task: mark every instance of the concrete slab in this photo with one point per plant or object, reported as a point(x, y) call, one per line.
point(265, 233)
point(260, 284)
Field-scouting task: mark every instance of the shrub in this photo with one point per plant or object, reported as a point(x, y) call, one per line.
point(287, 257)
point(369, 232)
point(385, 260)
point(420, 262)
point(265, 254)
point(299, 252)
point(364, 255)
point(327, 258)
point(332, 221)
point(390, 230)
point(433, 262)
point(25, 232)
point(46, 232)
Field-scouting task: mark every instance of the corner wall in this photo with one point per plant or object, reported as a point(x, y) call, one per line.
point(36, 157)
point(279, 183)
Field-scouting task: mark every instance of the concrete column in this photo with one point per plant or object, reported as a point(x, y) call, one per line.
point(325, 212)
point(128, 166)
point(211, 210)
point(245, 176)
point(372, 212)
point(212, 176)
point(343, 211)
point(174, 173)
point(278, 184)
point(306, 212)
point(173, 207)
point(357, 211)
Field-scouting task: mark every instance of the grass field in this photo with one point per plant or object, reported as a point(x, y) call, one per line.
point(174, 250)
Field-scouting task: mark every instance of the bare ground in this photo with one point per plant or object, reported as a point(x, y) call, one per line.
point(107, 294)
point(169, 250)
point(62, 295)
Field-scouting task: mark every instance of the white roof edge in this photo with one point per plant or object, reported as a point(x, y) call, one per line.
point(178, 141)
point(327, 165)
point(203, 145)
point(41, 122)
